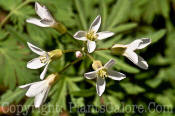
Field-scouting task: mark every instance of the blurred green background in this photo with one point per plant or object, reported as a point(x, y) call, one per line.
point(144, 92)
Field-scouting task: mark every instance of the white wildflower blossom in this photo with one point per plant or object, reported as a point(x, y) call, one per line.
point(46, 18)
point(129, 51)
point(43, 60)
point(101, 73)
point(92, 35)
point(39, 90)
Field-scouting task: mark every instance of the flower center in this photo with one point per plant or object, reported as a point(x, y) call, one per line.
point(43, 59)
point(91, 35)
point(102, 73)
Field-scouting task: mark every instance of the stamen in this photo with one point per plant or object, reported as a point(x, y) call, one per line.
point(102, 73)
point(43, 59)
point(91, 35)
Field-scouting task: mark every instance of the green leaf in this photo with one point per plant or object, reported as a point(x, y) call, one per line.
point(84, 92)
point(59, 97)
point(21, 37)
point(124, 27)
point(11, 97)
point(119, 13)
point(156, 36)
point(104, 10)
point(10, 4)
point(108, 43)
point(27, 105)
point(41, 35)
point(81, 14)
point(154, 82)
point(77, 102)
point(132, 88)
point(3, 34)
point(165, 9)
point(12, 59)
point(164, 100)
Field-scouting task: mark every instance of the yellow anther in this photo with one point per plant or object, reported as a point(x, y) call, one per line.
point(102, 73)
point(91, 35)
point(43, 59)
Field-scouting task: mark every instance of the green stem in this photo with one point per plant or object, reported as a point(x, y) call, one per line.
point(99, 49)
point(68, 51)
point(90, 57)
point(72, 63)
point(12, 11)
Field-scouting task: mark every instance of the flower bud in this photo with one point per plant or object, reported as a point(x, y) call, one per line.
point(118, 49)
point(78, 54)
point(55, 53)
point(96, 64)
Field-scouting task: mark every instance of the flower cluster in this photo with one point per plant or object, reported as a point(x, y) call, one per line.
point(40, 89)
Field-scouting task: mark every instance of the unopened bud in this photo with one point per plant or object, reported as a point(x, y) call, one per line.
point(78, 54)
point(55, 53)
point(96, 64)
point(118, 49)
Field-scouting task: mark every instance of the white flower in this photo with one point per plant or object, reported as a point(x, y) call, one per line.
point(91, 36)
point(39, 90)
point(43, 60)
point(101, 73)
point(46, 18)
point(129, 51)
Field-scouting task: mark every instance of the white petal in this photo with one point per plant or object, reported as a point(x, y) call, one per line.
point(35, 63)
point(35, 49)
point(91, 45)
point(26, 86)
point(100, 85)
point(142, 63)
point(90, 75)
point(41, 97)
point(80, 35)
point(139, 44)
point(48, 22)
point(109, 64)
point(145, 42)
point(131, 55)
point(42, 11)
point(95, 24)
point(37, 22)
point(104, 35)
point(116, 75)
point(134, 45)
point(44, 71)
point(137, 60)
point(36, 88)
